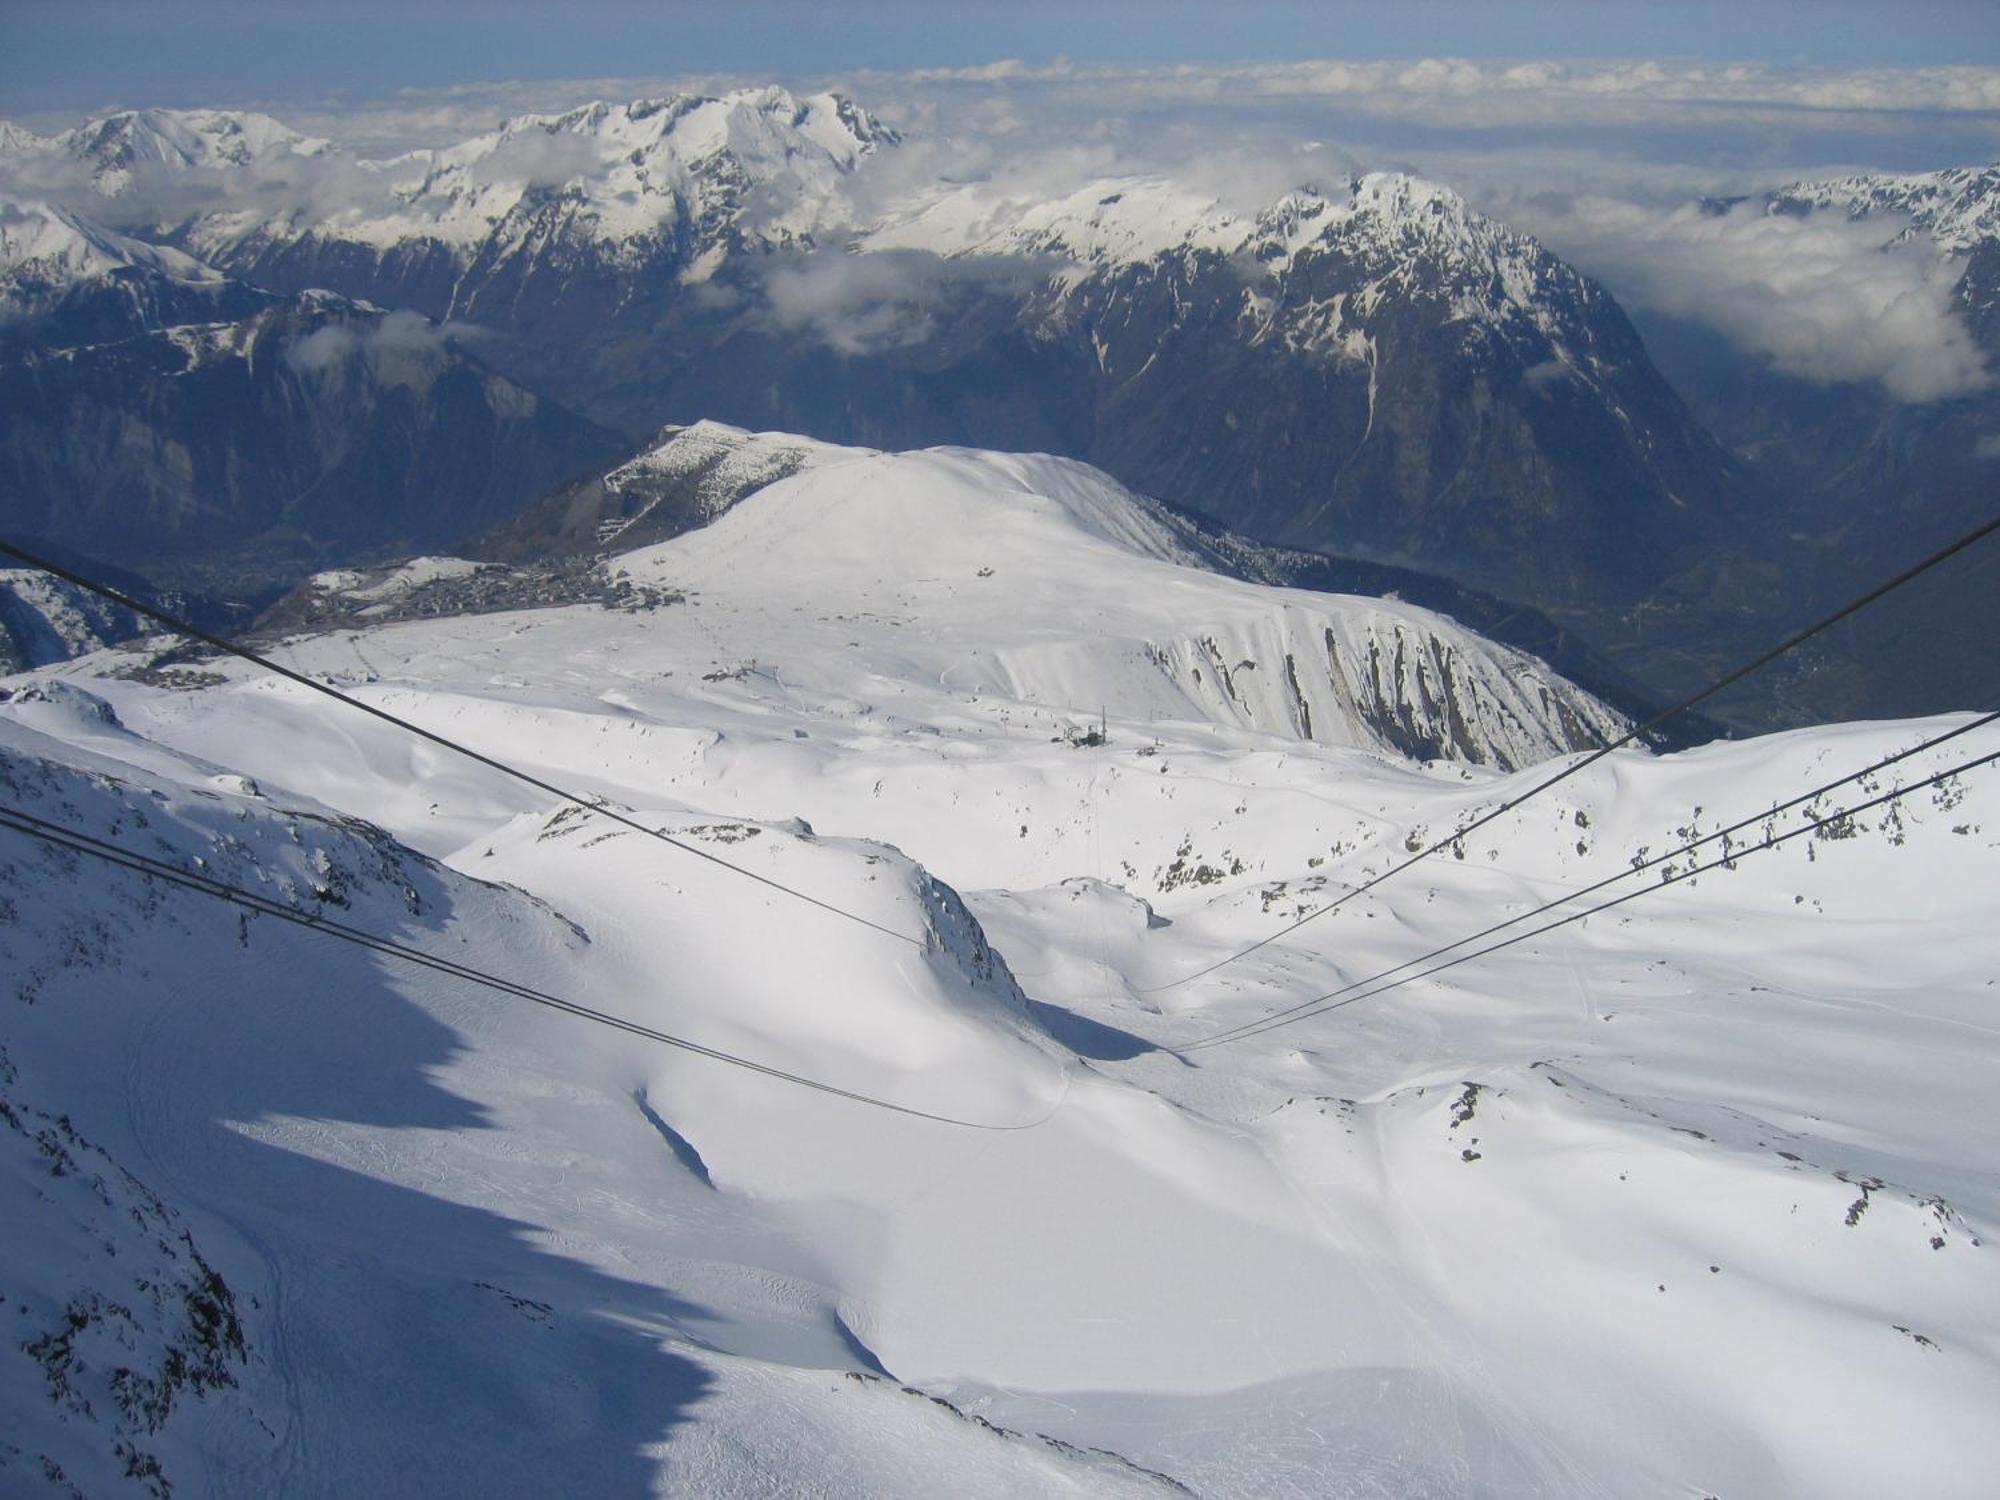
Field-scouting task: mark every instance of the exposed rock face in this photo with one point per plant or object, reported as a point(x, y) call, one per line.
point(1862, 483)
point(44, 619)
point(233, 450)
point(1373, 369)
point(685, 478)
point(1412, 383)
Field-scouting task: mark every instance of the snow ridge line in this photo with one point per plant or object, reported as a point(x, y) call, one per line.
point(59, 836)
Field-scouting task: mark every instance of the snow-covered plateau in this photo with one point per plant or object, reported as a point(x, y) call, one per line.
point(1694, 1197)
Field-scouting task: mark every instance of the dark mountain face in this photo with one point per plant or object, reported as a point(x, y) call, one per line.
point(1375, 372)
point(231, 453)
point(1860, 487)
point(1527, 447)
point(1442, 446)
point(1860, 484)
point(124, 302)
point(222, 437)
point(680, 481)
point(1375, 369)
point(1453, 399)
point(418, 275)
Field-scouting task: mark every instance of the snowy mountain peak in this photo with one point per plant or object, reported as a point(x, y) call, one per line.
point(1044, 581)
point(1429, 214)
point(679, 184)
point(1108, 222)
point(119, 148)
point(754, 124)
point(748, 459)
point(44, 248)
point(1959, 208)
point(18, 140)
point(925, 513)
point(1385, 219)
point(689, 171)
point(700, 471)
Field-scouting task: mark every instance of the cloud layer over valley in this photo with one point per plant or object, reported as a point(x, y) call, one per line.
point(1606, 162)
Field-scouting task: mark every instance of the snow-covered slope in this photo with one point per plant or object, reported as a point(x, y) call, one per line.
point(44, 619)
point(1409, 231)
point(688, 476)
point(1043, 581)
point(19, 141)
point(45, 250)
point(685, 178)
point(60, 246)
point(127, 148)
point(1128, 613)
point(232, 1273)
point(1694, 1197)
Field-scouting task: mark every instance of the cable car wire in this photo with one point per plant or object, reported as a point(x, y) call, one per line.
point(78, 842)
point(1336, 999)
point(598, 806)
point(1790, 643)
point(1625, 874)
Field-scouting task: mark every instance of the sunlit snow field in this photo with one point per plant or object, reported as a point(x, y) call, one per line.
point(1695, 1197)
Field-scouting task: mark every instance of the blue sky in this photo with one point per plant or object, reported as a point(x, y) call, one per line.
point(79, 55)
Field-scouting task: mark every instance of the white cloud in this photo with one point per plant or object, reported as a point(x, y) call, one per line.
point(1408, 100)
point(1546, 374)
point(1821, 297)
point(1005, 70)
point(1568, 96)
point(1564, 84)
point(323, 349)
point(541, 158)
point(403, 348)
point(856, 304)
point(1600, 159)
point(155, 194)
point(889, 299)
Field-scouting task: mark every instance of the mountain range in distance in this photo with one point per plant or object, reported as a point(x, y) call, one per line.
point(870, 833)
point(1368, 370)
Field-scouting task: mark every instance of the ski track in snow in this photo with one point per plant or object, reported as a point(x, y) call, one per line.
point(1695, 1197)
